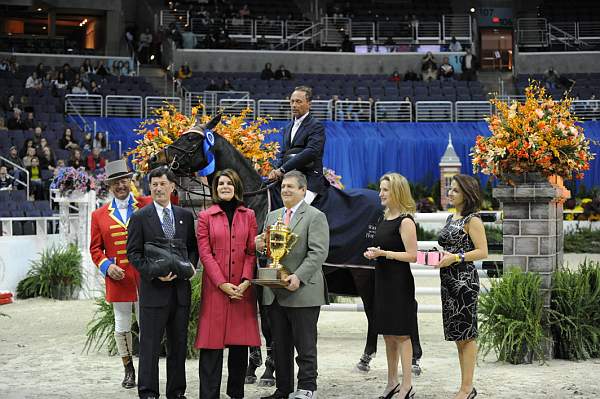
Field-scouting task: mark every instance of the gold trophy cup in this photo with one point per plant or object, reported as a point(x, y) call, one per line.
point(279, 239)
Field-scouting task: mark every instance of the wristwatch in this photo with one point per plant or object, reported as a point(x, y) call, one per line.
point(282, 170)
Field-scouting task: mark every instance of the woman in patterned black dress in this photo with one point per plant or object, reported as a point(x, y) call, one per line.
point(463, 239)
point(394, 248)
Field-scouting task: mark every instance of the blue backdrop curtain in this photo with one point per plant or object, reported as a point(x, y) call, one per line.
point(361, 152)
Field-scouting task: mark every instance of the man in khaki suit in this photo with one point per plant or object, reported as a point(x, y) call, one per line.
point(294, 310)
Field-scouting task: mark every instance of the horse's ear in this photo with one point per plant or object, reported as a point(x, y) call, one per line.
point(214, 121)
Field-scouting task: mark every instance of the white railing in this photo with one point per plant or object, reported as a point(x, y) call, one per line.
point(471, 110)
point(235, 106)
point(512, 97)
point(270, 29)
point(152, 104)
point(238, 28)
point(123, 106)
point(433, 111)
point(458, 26)
point(296, 27)
point(357, 111)
point(278, 110)
point(83, 104)
point(322, 109)
point(586, 110)
point(212, 99)
point(362, 30)
point(532, 32)
point(589, 31)
point(193, 99)
point(430, 31)
point(334, 29)
point(181, 17)
point(393, 111)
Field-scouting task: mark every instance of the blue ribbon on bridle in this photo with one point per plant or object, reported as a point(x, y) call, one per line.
point(209, 142)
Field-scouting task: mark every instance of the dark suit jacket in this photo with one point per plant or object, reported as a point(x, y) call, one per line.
point(474, 63)
point(144, 226)
point(305, 153)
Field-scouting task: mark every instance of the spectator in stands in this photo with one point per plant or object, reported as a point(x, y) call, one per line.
point(82, 75)
point(4, 65)
point(88, 142)
point(184, 72)
point(25, 105)
point(2, 124)
point(31, 153)
point(428, 67)
point(68, 72)
point(126, 69)
point(446, 70)
point(79, 88)
point(95, 161)
point(30, 121)
point(244, 11)
point(47, 80)
point(396, 77)
point(101, 69)
point(26, 145)
point(76, 161)
point(6, 180)
point(189, 38)
point(60, 82)
point(13, 156)
point(67, 141)
point(94, 87)
point(8, 103)
point(87, 66)
point(40, 69)
point(454, 45)
point(227, 86)
point(100, 141)
point(37, 137)
point(414, 25)
point(36, 186)
point(116, 68)
point(15, 122)
point(13, 65)
point(175, 35)
point(144, 43)
point(282, 73)
point(347, 46)
point(212, 86)
point(47, 159)
point(267, 72)
point(469, 66)
point(33, 82)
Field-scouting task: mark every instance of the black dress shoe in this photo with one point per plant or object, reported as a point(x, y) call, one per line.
point(129, 380)
point(276, 395)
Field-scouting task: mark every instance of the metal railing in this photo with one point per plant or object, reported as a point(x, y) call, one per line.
point(357, 111)
point(269, 29)
point(298, 40)
point(123, 106)
point(178, 16)
point(22, 170)
point(334, 30)
point(278, 110)
point(532, 32)
point(84, 104)
point(322, 109)
point(397, 30)
point(362, 30)
point(393, 111)
point(238, 28)
point(471, 110)
point(458, 26)
point(429, 31)
point(296, 27)
point(433, 111)
point(192, 99)
point(235, 106)
point(586, 110)
point(152, 103)
point(212, 99)
point(589, 31)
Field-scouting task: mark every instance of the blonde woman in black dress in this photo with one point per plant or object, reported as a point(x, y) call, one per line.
point(463, 239)
point(395, 246)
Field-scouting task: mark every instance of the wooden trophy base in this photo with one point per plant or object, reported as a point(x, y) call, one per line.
point(271, 277)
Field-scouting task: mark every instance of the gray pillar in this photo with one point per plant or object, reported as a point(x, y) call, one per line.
point(532, 227)
point(114, 32)
point(51, 23)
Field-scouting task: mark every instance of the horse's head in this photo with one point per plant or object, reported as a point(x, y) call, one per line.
point(187, 154)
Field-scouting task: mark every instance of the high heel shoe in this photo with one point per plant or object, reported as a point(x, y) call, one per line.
point(473, 394)
point(391, 393)
point(410, 394)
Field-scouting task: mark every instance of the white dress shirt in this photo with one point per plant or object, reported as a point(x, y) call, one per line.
point(296, 126)
point(159, 210)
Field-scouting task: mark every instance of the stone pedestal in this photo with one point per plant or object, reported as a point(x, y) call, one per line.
point(532, 226)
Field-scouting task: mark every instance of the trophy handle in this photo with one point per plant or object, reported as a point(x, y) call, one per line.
point(267, 241)
point(292, 241)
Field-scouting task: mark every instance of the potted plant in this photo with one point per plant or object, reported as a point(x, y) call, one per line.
point(511, 318)
point(57, 274)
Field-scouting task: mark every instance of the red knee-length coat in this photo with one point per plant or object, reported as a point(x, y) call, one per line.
point(228, 255)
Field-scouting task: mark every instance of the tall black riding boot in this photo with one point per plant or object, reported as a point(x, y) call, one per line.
point(129, 380)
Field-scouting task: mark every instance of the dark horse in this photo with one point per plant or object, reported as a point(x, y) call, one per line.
point(352, 215)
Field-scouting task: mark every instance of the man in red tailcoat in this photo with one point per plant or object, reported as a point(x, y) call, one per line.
point(108, 248)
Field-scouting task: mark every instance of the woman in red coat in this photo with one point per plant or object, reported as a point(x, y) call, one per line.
point(228, 318)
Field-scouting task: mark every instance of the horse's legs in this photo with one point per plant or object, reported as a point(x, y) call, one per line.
point(365, 286)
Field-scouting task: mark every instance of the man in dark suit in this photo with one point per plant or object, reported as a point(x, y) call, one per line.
point(164, 299)
point(294, 310)
point(469, 64)
point(303, 145)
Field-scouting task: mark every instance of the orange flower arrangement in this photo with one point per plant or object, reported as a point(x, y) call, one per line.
point(247, 137)
point(539, 135)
